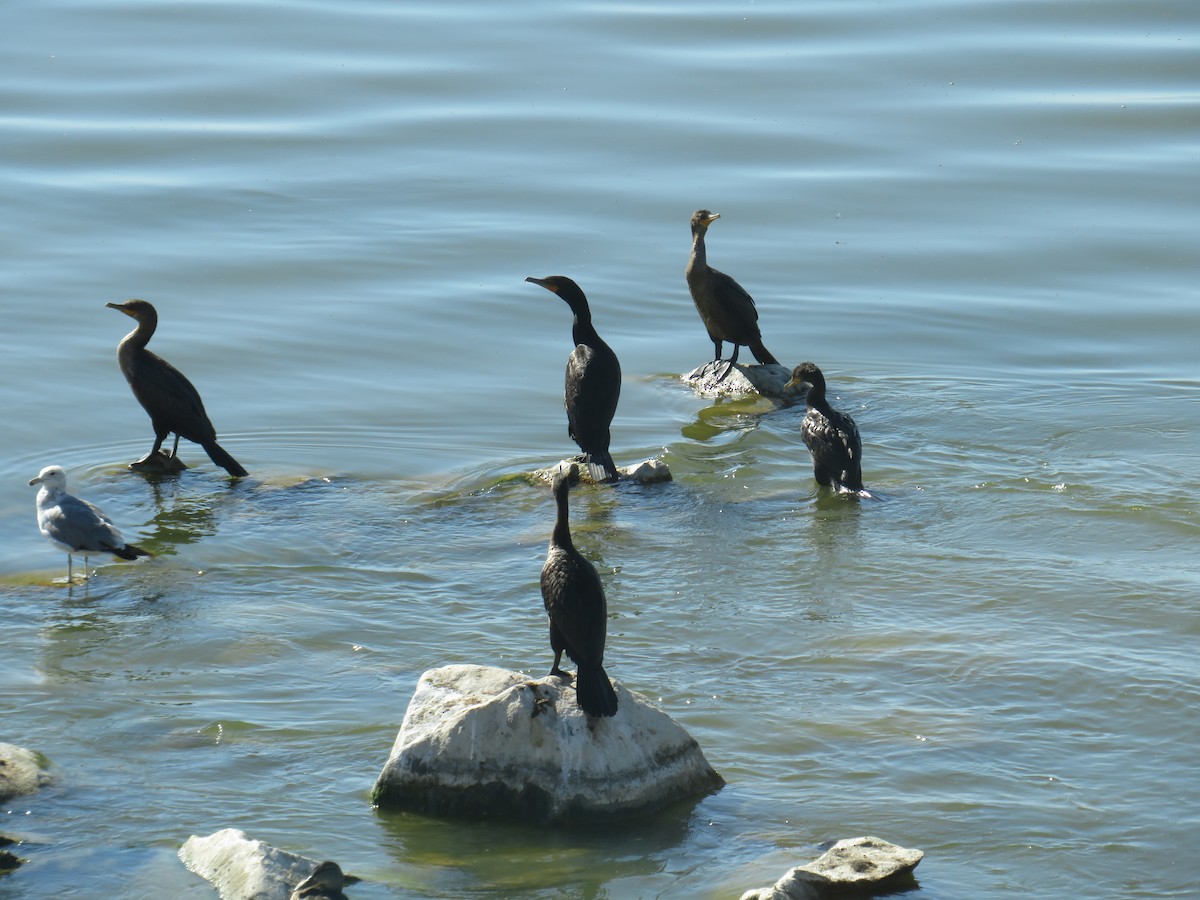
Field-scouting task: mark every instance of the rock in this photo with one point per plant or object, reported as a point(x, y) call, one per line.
point(855, 865)
point(768, 380)
point(21, 772)
point(8, 859)
point(159, 463)
point(478, 740)
point(242, 869)
point(648, 471)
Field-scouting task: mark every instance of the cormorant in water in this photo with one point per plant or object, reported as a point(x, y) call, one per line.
point(593, 383)
point(726, 309)
point(575, 603)
point(830, 436)
point(325, 883)
point(75, 526)
point(170, 400)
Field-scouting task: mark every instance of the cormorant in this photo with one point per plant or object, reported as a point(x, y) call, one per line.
point(830, 436)
point(75, 526)
point(325, 883)
point(726, 309)
point(170, 400)
point(593, 383)
point(574, 600)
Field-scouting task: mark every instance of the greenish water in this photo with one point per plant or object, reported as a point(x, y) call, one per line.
point(978, 218)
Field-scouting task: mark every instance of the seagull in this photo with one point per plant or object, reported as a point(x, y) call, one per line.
point(75, 526)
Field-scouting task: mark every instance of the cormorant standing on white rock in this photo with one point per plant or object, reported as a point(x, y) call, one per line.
point(574, 600)
point(728, 312)
point(593, 383)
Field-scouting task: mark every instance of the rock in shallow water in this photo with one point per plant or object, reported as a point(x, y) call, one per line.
point(648, 471)
point(21, 771)
point(478, 740)
point(855, 865)
point(242, 869)
point(768, 380)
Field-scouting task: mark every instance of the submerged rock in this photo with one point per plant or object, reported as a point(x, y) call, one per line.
point(857, 865)
point(768, 380)
point(8, 859)
point(648, 471)
point(21, 772)
point(478, 740)
point(242, 869)
point(159, 463)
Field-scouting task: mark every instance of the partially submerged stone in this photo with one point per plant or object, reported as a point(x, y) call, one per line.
point(648, 471)
point(243, 869)
point(768, 380)
point(478, 740)
point(8, 859)
point(855, 865)
point(158, 463)
point(21, 772)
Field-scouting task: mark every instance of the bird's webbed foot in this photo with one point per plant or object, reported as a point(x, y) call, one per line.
point(725, 374)
point(565, 676)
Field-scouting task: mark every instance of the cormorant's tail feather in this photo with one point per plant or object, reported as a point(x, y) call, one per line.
point(224, 460)
point(595, 692)
point(762, 354)
point(130, 552)
point(605, 459)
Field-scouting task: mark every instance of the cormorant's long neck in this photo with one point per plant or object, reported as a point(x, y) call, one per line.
point(582, 329)
point(561, 536)
point(140, 336)
point(816, 395)
point(699, 258)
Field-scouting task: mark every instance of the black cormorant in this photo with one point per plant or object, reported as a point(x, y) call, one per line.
point(831, 436)
point(75, 526)
point(325, 883)
point(593, 383)
point(170, 400)
point(574, 600)
point(726, 309)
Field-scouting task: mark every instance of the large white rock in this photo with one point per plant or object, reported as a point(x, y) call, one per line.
point(478, 740)
point(852, 865)
point(768, 380)
point(21, 771)
point(242, 869)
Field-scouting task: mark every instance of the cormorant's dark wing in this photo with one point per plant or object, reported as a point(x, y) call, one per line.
point(170, 399)
point(574, 600)
point(593, 387)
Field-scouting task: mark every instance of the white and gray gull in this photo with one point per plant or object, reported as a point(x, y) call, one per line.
point(75, 526)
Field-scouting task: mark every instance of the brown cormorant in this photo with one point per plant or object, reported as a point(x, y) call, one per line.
point(170, 400)
point(593, 383)
point(727, 311)
point(75, 526)
point(831, 437)
point(574, 600)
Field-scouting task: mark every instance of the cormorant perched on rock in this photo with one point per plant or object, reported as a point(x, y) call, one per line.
point(75, 526)
point(578, 612)
point(170, 400)
point(593, 383)
point(726, 309)
point(831, 436)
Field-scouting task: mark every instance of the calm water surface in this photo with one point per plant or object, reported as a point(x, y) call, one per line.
point(977, 217)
